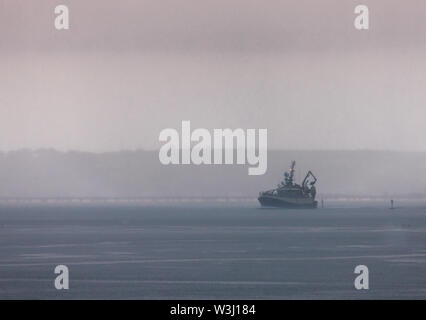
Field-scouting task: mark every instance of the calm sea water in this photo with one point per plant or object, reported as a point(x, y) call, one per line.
point(124, 252)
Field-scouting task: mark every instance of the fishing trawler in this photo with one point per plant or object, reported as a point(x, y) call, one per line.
point(289, 194)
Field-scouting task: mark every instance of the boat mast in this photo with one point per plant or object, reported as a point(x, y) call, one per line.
point(290, 178)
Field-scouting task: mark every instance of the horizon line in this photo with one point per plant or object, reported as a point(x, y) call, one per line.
point(48, 149)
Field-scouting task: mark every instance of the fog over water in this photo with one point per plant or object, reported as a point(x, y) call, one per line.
point(47, 173)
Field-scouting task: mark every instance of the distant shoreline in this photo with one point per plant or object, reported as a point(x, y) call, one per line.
point(329, 202)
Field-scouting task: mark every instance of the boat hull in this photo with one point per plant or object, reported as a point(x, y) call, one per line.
point(283, 202)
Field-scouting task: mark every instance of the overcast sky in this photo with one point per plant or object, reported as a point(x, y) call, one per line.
point(128, 69)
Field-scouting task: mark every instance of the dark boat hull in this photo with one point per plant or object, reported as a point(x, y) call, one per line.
point(280, 202)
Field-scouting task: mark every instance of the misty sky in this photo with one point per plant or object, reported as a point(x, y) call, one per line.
point(128, 69)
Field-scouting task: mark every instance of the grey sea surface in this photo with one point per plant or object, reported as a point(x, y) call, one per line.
point(211, 252)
